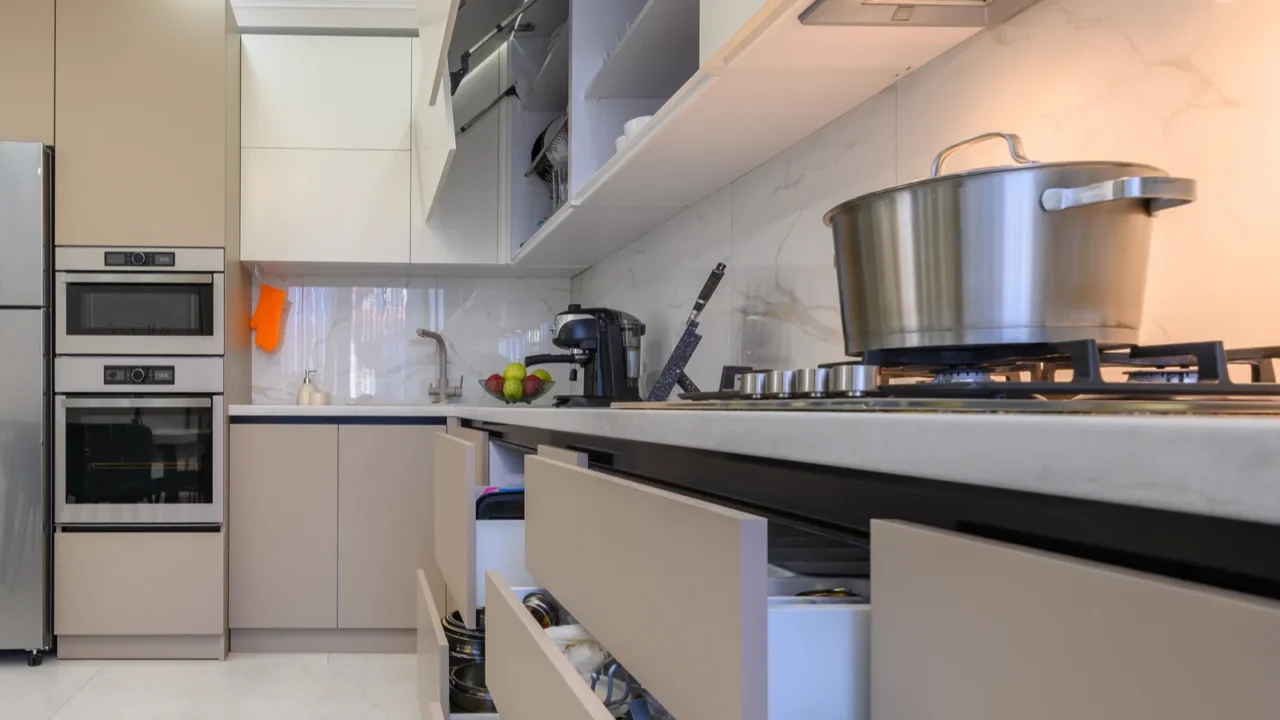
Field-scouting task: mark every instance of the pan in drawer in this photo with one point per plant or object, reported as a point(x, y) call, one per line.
point(528, 676)
point(646, 571)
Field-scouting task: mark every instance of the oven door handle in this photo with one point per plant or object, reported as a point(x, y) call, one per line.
point(130, 278)
point(136, 402)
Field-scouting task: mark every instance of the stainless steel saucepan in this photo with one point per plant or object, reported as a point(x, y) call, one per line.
point(1034, 252)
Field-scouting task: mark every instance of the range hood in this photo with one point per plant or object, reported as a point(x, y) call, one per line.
point(932, 13)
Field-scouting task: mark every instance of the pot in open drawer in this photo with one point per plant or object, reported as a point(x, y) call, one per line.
point(1036, 252)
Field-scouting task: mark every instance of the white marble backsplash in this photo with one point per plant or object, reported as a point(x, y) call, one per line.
point(1192, 86)
point(360, 336)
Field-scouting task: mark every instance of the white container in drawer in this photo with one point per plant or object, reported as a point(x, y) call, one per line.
point(466, 548)
point(659, 578)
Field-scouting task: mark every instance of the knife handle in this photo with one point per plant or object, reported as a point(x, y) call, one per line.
point(708, 289)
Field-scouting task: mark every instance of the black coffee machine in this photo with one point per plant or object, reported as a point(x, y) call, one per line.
point(606, 343)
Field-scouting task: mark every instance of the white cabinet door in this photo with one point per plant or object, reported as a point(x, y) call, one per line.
point(307, 91)
point(435, 29)
point(325, 206)
point(455, 177)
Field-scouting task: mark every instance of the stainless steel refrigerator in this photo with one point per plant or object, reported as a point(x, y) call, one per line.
point(26, 183)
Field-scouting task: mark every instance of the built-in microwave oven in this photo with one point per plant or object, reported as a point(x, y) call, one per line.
point(135, 301)
point(139, 441)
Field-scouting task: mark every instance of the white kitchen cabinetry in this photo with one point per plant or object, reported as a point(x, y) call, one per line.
point(327, 93)
point(749, 83)
point(325, 159)
point(973, 629)
point(325, 206)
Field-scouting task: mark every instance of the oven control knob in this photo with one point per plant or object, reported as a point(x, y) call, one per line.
point(138, 259)
point(138, 375)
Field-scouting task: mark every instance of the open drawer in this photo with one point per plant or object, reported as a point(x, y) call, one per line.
point(465, 548)
point(659, 578)
point(968, 628)
point(528, 677)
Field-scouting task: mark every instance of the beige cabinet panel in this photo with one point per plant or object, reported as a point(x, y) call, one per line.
point(432, 648)
point(327, 92)
point(325, 205)
point(141, 113)
point(694, 572)
point(970, 629)
point(283, 526)
point(454, 506)
point(26, 70)
point(139, 583)
point(528, 676)
point(384, 494)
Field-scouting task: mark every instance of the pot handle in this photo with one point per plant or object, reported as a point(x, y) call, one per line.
point(1161, 193)
point(1014, 142)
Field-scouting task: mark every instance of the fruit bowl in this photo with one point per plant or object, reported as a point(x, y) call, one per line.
point(546, 387)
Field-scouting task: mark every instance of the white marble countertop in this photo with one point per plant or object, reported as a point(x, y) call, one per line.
point(1208, 465)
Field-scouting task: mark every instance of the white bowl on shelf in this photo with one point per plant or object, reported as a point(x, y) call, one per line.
point(619, 141)
point(632, 126)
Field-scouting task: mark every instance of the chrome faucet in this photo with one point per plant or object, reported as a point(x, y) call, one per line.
point(441, 388)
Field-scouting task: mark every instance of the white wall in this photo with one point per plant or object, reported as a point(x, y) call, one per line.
point(1192, 86)
point(359, 334)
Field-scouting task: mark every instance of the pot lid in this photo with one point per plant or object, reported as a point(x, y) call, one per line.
point(1127, 168)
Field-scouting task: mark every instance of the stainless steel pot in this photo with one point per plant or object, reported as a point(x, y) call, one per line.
point(1036, 252)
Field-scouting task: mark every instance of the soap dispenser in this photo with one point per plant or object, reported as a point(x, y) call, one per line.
point(307, 392)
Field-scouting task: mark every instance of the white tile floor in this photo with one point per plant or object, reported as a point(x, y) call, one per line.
point(244, 687)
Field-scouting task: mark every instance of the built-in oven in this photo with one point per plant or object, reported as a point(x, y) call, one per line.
point(139, 441)
point(126, 301)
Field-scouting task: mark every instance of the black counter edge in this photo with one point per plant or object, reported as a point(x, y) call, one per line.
point(335, 420)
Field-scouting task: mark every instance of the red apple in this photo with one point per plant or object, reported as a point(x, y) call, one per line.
point(532, 385)
point(494, 383)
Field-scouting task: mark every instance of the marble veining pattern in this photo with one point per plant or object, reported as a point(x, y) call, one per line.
point(359, 335)
point(1190, 86)
point(244, 687)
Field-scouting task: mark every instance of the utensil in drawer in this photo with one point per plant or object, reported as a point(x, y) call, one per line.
point(465, 644)
point(467, 689)
point(544, 610)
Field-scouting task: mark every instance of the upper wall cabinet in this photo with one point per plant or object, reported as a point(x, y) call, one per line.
point(147, 102)
point(26, 70)
point(329, 93)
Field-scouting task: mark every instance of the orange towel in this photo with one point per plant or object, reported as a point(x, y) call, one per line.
point(266, 318)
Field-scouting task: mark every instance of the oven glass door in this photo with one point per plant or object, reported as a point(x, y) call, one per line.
point(139, 460)
point(139, 313)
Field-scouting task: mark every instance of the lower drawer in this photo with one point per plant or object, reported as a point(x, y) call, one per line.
point(139, 583)
point(818, 663)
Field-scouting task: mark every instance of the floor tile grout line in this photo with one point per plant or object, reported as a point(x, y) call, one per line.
point(78, 690)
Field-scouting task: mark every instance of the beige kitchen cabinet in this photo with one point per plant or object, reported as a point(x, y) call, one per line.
point(326, 92)
point(325, 206)
point(968, 629)
point(283, 522)
point(122, 594)
point(147, 103)
point(26, 70)
point(384, 474)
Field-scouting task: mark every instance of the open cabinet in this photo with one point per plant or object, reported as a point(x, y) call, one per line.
point(488, 201)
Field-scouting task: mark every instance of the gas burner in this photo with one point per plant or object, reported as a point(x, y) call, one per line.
point(962, 375)
point(1167, 377)
point(1031, 372)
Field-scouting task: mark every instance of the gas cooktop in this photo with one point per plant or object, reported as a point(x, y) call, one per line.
point(1034, 377)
